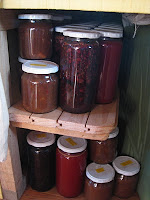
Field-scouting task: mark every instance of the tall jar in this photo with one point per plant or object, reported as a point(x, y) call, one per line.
point(41, 158)
point(79, 70)
point(39, 86)
point(127, 175)
point(35, 36)
point(109, 57)
point(71, 156)
point(99, 182)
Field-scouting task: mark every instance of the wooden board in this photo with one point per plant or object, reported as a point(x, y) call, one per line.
point(94, 125)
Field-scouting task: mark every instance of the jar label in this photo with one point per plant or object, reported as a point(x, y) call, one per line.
point(99, 170)
point(41, 135)
point(128, 162)
point(39, 65)
point(73, 143)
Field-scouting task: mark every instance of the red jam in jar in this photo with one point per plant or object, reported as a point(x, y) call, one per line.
point(109, 57)
point(79, 70)
point(126, 179)
point(41, 158)
point(104, 152)
point(35, 36)
point(99, 182)
point(39, 86)
point(71, 156)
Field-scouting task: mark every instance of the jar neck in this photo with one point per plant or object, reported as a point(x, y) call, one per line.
point(78, 39)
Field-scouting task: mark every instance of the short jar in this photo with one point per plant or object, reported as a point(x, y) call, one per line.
point(35, 36)
point(39, 86)
point(41, 160)
point(99, 182)
point(127, 175)
point(79, 70)
point(104, 152)
point(71, 156)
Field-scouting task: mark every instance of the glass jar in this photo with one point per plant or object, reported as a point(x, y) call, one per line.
point(79, 71)
point(39, 86)
point(104, 152)
point(99, 182)
point(109, 57)
point(35, 36)
point(41, 158)
point(71, 156)
point(127, 176)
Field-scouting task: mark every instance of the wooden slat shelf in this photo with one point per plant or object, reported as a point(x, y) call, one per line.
point(96, 124)
point(52, 194)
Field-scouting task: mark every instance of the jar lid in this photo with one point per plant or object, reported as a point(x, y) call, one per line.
point(34, 16)
point(84, 25)
point(114, 133)
point(100, 173)
point(40, 67)
point(81, 34)
point(22, 60)
point(110, 32)
point(126, 165)
point(78, 27)
point(57, 17)
point(71, 144)
point(40, 139)
point(61, 29)
point(107, 28)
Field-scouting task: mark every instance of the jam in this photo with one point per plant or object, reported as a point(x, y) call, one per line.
point(41, 158)
point(39, 91)
point(104, 152)
point(35, 36)
point(78, 72)
point(70, 167)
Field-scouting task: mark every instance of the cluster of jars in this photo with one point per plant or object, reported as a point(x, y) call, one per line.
point(88, 57)
point(66, 165)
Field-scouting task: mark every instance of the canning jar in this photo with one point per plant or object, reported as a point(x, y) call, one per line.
point(35, 36)
point(127, 175)
point(109, 57)
point(41, 158)
point(71, 156)
point(99, 182)
point(39, 86)
point(79, 70)
point(104, 152)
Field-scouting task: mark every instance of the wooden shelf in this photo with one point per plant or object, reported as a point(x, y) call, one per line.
point(52, 194)
point(96, 124)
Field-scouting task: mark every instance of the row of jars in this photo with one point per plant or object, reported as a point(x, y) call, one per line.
point(69, 162)
point(89, 64)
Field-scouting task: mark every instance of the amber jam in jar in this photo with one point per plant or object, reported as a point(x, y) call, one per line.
point(39, 86)
point(127, 175)
point(79, 70)
point(109, 57)
point(99, 182)
point(71, 156)
point(41, 158)
point(104, 152)
point(35, 36)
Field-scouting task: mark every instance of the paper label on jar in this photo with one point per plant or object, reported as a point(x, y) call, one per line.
point(39, 65)
point(128, 162)
point(99, 170)
point(70, 140)
point(41, 135)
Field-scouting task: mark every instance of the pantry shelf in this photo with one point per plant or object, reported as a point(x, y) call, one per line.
point(96, 124)
point(30, 194)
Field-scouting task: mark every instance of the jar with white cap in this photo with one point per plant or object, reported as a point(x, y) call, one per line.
point(71, 155)
point(41, 160)
point(79, 70)
point(109, 63)
point(99, 182)
point(35, 36)
point(104, 152)
point(127, 175)
point(39, 86)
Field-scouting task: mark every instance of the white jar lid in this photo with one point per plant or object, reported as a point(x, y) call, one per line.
point(34, 16)
point(71, 144)
point(81, 34)
point(126, 165)
point(114, 133)
point(40, 67)
point(61, 29)
point(100, 173)
point(111, 28)
point(78, 27)
point(110, 32)
point(22, 60)
point(40, 139)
